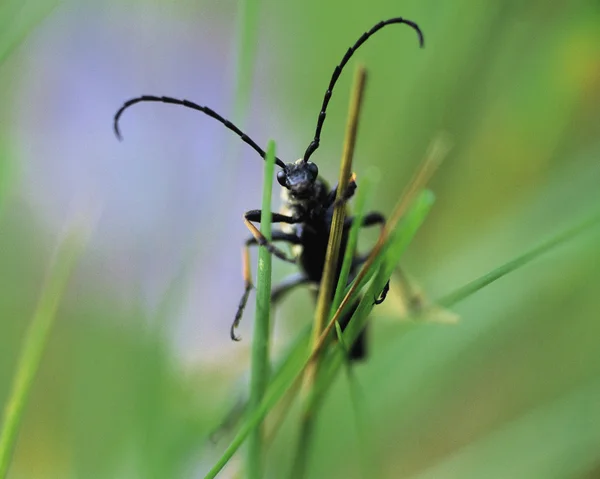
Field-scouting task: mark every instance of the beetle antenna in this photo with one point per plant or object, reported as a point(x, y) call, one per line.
point(338, 70)
point(188, 104)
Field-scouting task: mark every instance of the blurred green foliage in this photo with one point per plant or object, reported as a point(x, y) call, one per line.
point(510, 391)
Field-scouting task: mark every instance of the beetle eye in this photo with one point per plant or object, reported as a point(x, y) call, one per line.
point(314, 170)
point(281, 178)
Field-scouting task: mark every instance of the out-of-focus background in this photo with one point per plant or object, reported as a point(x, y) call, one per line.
point(140, 367)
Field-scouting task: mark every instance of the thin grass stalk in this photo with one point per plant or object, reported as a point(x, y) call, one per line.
point(293, 353)
point(339, 213)
point(36, 338)
point(262, 325)
point(357, 401)
point(470, 288)
point(330, 269)
point(433, 159)
point(297, 364)
point(356, 393)
point(359, 213)
point(399, 242)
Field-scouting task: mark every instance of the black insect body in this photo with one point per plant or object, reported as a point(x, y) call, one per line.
point(308, 201)
point(313, 235)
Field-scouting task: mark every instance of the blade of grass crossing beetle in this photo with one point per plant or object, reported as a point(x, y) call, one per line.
point(326, 287)
point(262, 325)
point(359, 212)
point(399, 241)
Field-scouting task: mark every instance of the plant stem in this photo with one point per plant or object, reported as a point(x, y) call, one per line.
point(339, 213)
point(399, 241)
point(518, 262)
point(358, 212)
point(262, 324)
point(435, 155)
point(331, 265)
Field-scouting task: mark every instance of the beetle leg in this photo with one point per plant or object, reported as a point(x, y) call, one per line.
point(247, 272)
point(253, 216)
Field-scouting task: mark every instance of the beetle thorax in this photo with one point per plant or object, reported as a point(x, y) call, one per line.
point(299, 205)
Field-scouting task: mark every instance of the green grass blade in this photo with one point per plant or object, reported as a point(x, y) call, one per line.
point(274, 393)
point(328, 280)
point(339, 212)
point(283, 368)
point(262, 325)
point(436, 153)
point(391, 256)
point(357, 401)
point(359, 212)
point(35, 341)
point(400, 240)
point(520, 261)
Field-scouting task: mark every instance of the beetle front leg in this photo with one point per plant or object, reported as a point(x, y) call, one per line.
point(247, 272)
point(254, 216)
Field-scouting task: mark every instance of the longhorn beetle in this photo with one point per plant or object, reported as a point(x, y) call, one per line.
point(308, 201)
